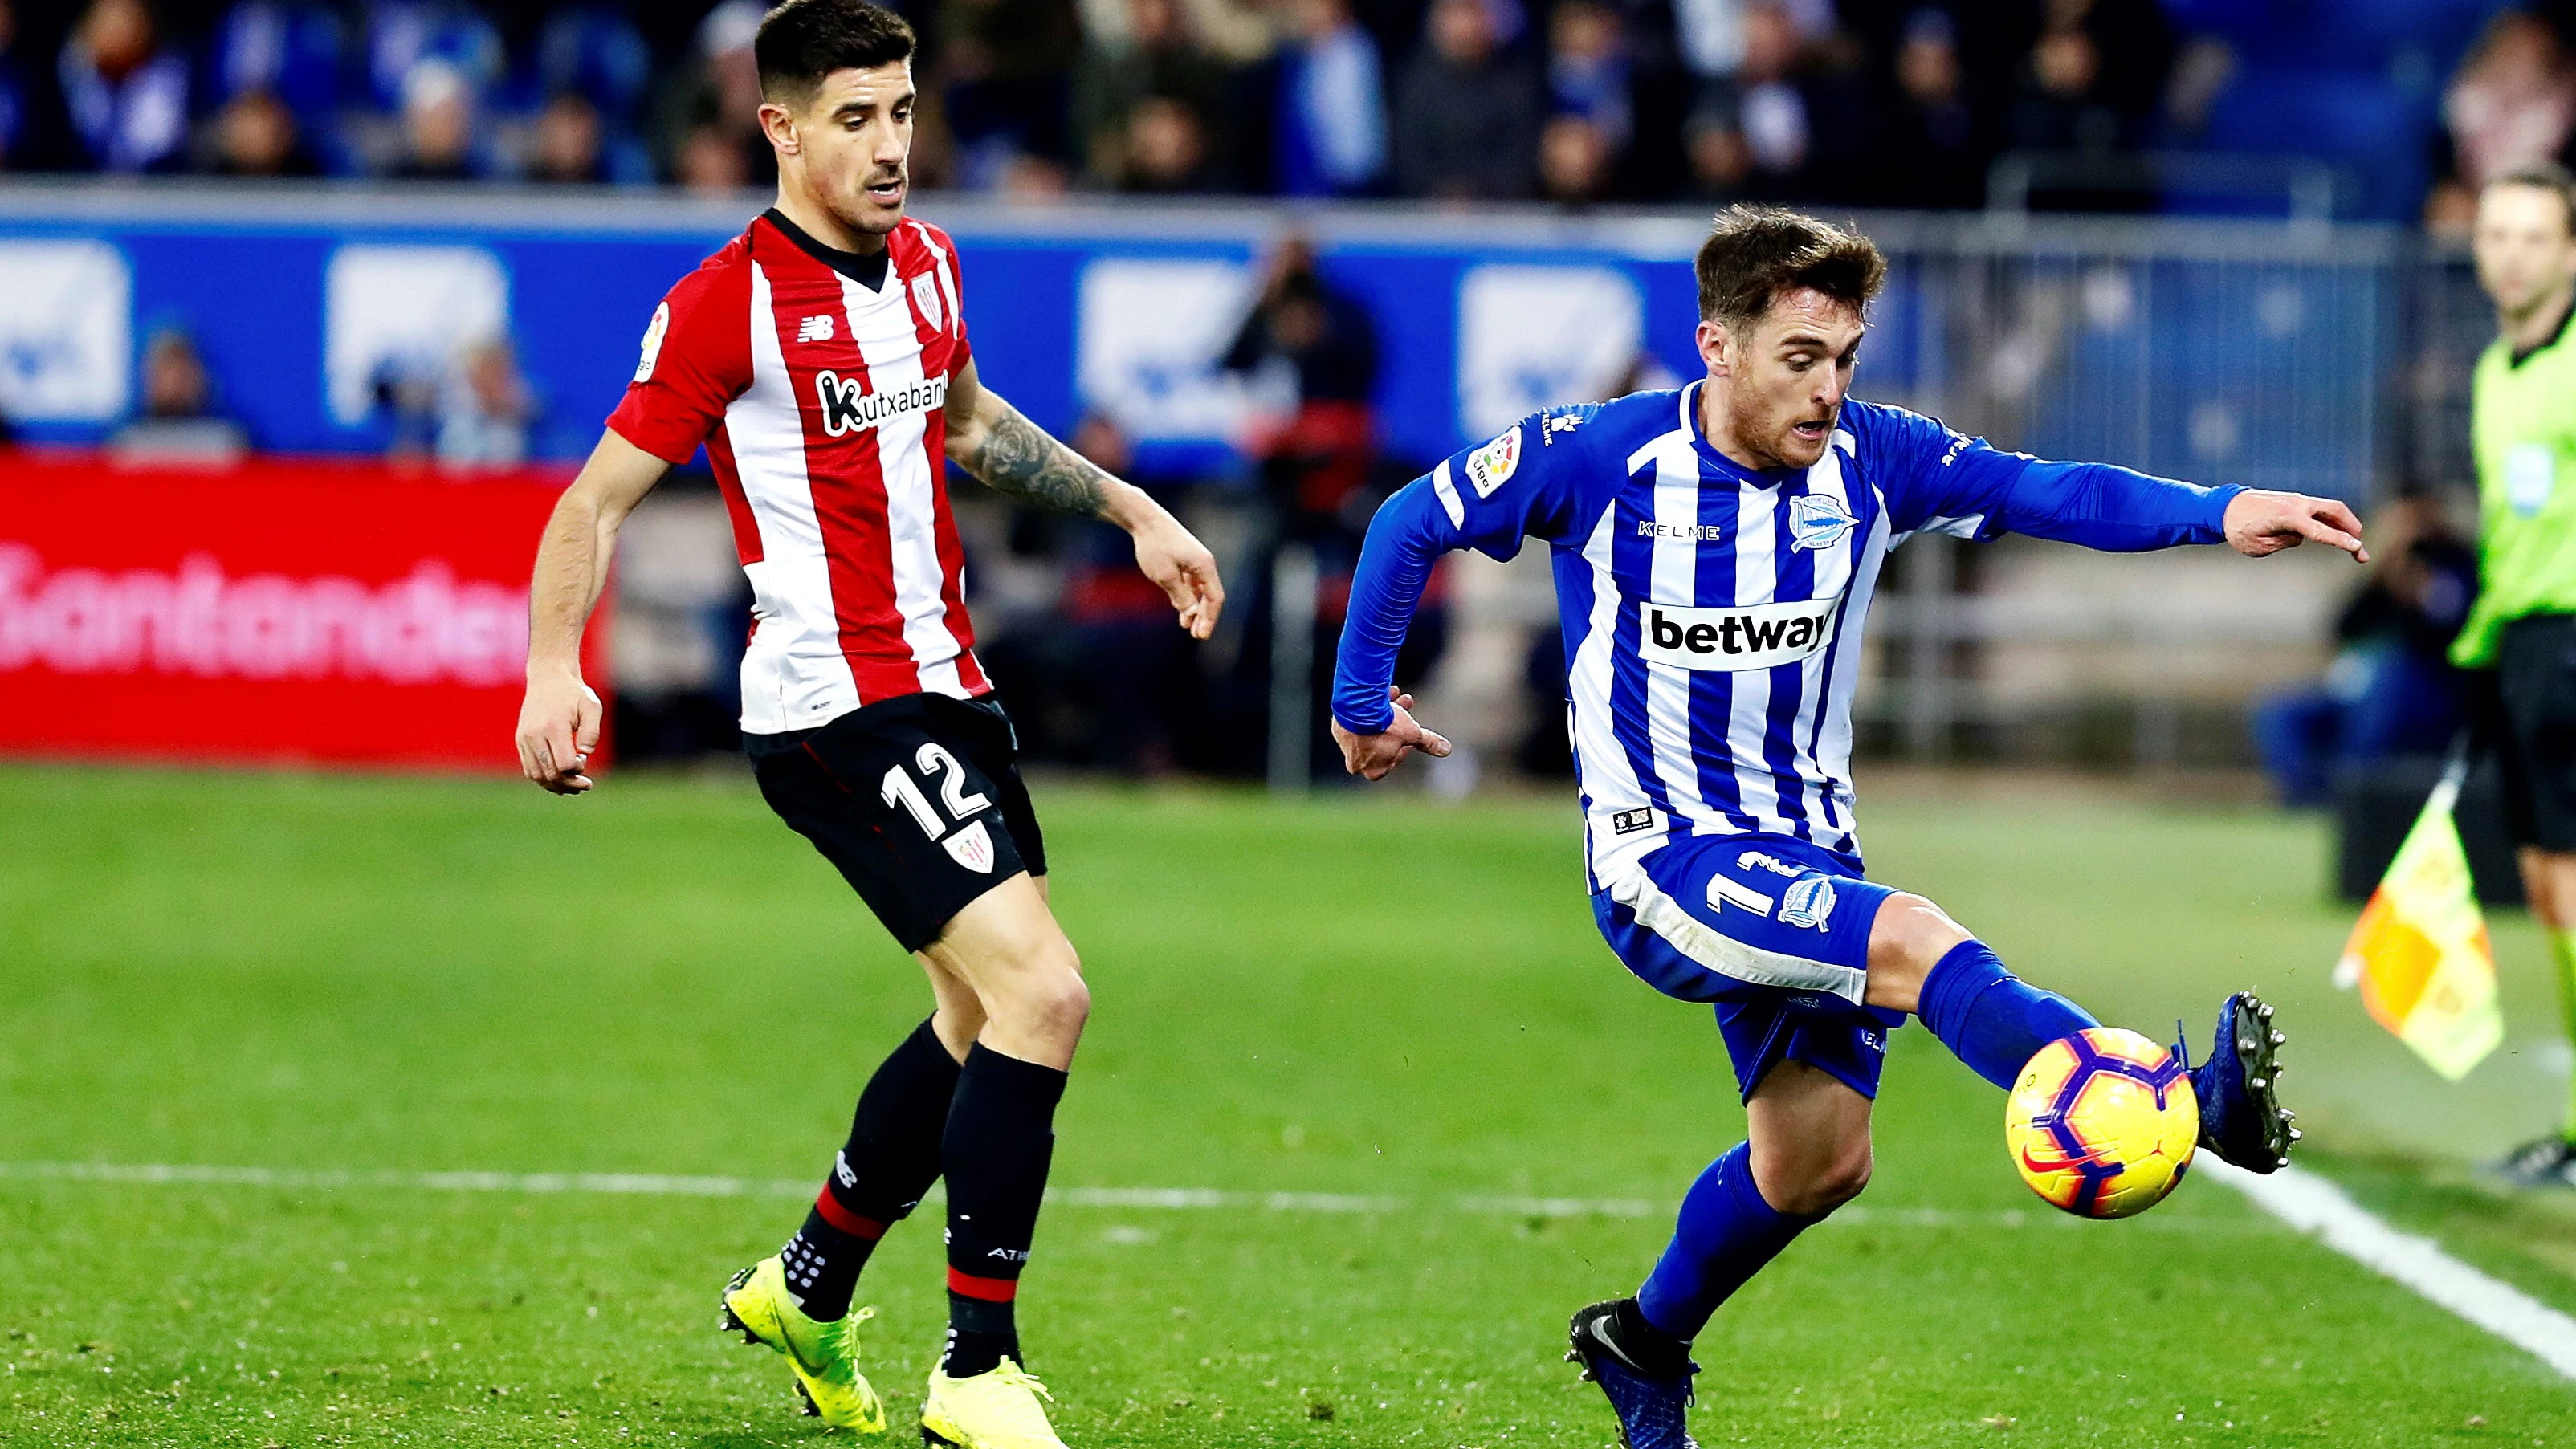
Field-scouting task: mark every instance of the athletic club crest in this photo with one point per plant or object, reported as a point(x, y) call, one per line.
point(972, 848)
point(925, 295)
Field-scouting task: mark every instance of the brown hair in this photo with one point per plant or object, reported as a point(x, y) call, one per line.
point(1755, 253)
point(803, 41)
point(2546, 176)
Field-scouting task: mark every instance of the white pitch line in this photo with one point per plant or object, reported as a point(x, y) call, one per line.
point(2306, 1202)
point(2316, 1206)
point(1153, 1199)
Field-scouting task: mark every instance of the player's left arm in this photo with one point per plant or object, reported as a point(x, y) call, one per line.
point(1018, 459)
point(2259, 522)
point(2105, 506)
point(1951, 483)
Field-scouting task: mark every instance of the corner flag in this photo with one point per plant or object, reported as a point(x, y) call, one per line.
point(2420, 952)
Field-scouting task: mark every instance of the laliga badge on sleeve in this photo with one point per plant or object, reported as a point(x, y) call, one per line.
point(1492, 465)
point(653, 342)
point(972, 848)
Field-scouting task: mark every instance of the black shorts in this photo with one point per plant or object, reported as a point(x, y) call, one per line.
point(917, 800)
point(2536, 729)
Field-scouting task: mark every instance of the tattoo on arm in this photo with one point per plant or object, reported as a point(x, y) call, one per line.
point(1018, 459)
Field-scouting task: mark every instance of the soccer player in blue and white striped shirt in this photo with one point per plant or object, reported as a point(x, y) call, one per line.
point(1715, 551)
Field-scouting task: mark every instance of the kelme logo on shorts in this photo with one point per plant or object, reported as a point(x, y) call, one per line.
point(1758, 636)
point(847, 406)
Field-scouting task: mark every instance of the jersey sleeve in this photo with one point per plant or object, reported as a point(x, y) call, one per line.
point(696, 360)
point(949, 276)
point(964, 351)
point(1521, 485)
point(1942, 481)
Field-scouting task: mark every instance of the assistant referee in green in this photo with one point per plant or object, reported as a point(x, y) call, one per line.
point(2523, 431)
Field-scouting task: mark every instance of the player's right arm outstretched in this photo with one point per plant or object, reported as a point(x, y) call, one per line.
point(559, 718)
point(1489, 498)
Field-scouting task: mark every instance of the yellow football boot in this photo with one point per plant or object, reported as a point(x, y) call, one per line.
point(825, 1356)
point(997, 1409)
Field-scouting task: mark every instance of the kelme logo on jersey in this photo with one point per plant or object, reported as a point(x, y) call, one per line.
point(848, 406)
point(1758, 636)
point(1490, 466)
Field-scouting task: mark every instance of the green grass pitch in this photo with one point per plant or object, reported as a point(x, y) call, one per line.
point(1373, 998)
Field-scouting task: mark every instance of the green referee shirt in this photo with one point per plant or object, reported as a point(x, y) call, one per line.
point(2522, 426)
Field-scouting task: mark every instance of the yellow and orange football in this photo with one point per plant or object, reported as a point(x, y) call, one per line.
point(2102, 1123)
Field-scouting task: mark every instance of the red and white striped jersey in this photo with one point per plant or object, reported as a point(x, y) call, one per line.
point(820, 400)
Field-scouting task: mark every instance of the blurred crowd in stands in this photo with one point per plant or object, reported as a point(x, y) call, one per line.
point(2407, 104)
point(1862, 102)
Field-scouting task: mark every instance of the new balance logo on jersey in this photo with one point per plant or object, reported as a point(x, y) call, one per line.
point(1759, 636)
point(848, 406)
point(815, 329)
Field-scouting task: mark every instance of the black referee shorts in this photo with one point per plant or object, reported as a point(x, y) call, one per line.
point(2536, 729)
point(917, 800)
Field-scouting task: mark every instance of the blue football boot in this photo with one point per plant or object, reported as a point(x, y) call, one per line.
point(1652, 1412)
point(2241, 1116)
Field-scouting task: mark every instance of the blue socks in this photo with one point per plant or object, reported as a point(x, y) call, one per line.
point(1726, 1233)
point(1990, 1018)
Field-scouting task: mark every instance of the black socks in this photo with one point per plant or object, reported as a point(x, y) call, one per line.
point(990, 1126)
point(1000, 1139)
point(891, 1159)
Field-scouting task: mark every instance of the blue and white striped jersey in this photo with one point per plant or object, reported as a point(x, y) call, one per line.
point(1711, 613)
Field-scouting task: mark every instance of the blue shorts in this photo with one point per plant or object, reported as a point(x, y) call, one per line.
point(1775, 932)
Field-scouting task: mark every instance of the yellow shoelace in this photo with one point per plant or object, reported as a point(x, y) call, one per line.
point(1012, 1373)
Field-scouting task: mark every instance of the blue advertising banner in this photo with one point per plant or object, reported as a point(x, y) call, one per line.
point(309, 308)
point(320, 310)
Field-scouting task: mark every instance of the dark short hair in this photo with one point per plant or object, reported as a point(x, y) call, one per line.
point(803, 41)
point(2546, 176)
point(1755, 253)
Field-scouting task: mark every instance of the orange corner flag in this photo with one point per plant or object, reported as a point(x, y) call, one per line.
point(2420, 952)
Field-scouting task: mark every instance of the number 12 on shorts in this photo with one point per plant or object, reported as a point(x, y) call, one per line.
point(934, 761)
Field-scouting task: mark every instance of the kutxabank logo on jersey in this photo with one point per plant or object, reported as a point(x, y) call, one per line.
point(1754, 636)
point(848, 406)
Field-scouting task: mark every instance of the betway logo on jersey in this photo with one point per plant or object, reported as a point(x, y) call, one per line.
point(848, 406)
point(1757, 636)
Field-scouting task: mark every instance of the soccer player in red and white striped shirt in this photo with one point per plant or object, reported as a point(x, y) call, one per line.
point(821, 358)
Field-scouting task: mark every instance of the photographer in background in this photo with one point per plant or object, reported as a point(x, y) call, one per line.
point(2391, 690)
